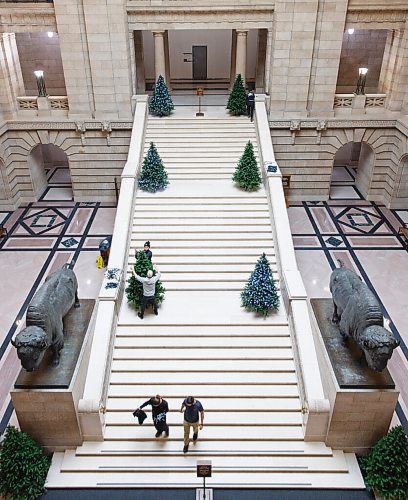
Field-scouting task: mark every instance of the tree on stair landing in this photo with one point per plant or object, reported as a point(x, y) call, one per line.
point(153, 176)
point(237, 99)
point(247, 174)
point(260, 294)
point(161, 103)
point(134, 292)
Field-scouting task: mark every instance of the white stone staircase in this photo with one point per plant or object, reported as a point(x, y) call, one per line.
point(206, 237)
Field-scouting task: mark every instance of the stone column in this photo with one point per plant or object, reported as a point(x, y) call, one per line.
point(167, 59)
point(8, 104)
point(396, 78)
point(14, 63)
point(260, 62)
point(233, 57)
point(139, 62)
point(240, 65)
point(386, 63)
point(268, 62)
point(159, 56)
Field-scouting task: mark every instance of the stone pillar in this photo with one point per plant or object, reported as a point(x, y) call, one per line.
point(240, 64)
point(386, 62)
point(260, 62)
point(167, 59)
point(159, 56)
point(395, 78)
point(13, 59)
point(8, 104)
point(268, 62)
point(139, 62)
point(109, 57)
point(233, 57)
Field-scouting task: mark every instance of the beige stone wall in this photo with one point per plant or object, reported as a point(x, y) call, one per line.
point(93, 163)
point(39, 51)
point(309, 158)
point(362, 49)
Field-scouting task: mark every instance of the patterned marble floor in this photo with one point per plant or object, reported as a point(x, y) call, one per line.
point(365, 237)
point(42, 237)
point(45, 235)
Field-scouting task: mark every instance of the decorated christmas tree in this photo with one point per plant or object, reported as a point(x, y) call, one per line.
point(237, 99)
point(153, 176)
point(134, 292)
point(247, 174)
point(160, 103)
point(260, 294)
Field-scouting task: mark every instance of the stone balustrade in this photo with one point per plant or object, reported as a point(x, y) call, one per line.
point(352, 103)
point(315, 406)
point(91, 407)
point(31, 106)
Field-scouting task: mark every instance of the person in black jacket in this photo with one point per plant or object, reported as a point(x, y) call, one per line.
point(159, 410)
point(250, 103)
point(147, 250)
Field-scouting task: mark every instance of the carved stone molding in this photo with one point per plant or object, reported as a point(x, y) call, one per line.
point(376, 19)
point(81, 129)
point(26, 17)
point(107, 130)
point(346, 123)
point(321, 125)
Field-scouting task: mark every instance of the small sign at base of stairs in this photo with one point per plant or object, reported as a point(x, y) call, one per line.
point(200, 494)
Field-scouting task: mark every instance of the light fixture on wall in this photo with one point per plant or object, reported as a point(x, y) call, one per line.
point(50, 34)
point(350, 31)
point(39, 75)
point(362, 72)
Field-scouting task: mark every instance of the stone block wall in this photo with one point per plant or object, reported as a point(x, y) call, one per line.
point(93, 163)
point(362, 49)
point(38, 51)
point(309, 158)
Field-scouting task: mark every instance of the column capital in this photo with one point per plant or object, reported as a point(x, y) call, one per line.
point(242, 32)
point(158, 33)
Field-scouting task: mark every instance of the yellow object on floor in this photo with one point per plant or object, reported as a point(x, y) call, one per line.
point(99, 262)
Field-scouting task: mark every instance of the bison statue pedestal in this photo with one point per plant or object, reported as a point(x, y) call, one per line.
point(362, 401)
point(46, 400)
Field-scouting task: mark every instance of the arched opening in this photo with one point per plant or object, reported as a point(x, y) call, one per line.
point(50, 175)
point(402, 189)
point(352, 171)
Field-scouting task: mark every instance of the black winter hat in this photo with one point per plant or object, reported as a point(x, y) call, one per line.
point(147, 244)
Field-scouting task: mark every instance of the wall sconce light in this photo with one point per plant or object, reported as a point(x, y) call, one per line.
point(350, 31)
point(50, 34)
point(362, 72)
point(42, 92)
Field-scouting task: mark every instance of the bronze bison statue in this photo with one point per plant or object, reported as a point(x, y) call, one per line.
point(44, 319)
point(359, 316)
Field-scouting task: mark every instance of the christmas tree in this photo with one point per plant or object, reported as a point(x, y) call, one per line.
point(260, 294)
point(134, 292)
point(160, 103)
point(237, 99)
point(153, 177)
point(247, 174)
point(385, 468)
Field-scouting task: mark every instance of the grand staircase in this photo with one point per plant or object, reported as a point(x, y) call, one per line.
point(206, 237)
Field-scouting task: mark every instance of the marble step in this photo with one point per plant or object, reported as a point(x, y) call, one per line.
point(215, 244)
point(254, 448)
point(221, 342)
point(187, 353)
point(217, 237)
point(202, 365)
point(216, 279)
point(191, 227)
point(188, 260)
point(207, 330)
point(212, 404)
point(197, 150)
point(224, 432)
point(282, 381)
point(220, 464)
point(243, 418)
point(179, 253)
point(185, 219)
point(255, 205)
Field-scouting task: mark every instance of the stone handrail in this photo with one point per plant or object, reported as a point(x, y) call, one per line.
point(91, 407)
point(315, 406)
point(43, 106)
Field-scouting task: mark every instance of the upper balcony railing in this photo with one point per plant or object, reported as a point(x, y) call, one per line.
point(352, 103)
